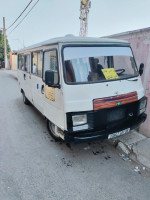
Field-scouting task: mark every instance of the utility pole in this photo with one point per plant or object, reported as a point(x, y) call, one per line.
point(85, 6)
point(5, 45)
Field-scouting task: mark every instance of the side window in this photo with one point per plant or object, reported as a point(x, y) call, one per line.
point(21, 62)
point(37, 58)
point(50, 63)
point(27, 63)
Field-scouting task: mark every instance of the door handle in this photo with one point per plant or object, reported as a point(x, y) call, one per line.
point(24, 76)
point(42, 89)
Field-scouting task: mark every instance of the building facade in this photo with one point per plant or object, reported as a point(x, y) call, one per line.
point(13, 60)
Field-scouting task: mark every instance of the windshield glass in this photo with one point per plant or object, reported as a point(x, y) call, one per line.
point(98, 64)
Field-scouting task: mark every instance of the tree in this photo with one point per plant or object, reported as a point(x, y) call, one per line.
point(2, 46)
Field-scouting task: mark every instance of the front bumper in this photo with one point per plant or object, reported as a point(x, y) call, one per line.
point(88, 135)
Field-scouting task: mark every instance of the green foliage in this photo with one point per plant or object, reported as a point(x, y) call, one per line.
point(2, 46)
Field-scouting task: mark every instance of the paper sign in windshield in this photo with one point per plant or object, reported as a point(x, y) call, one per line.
point(110, 73)
point(50, 93)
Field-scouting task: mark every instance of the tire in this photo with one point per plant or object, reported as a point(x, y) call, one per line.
point(25, 100)
point(51, 129)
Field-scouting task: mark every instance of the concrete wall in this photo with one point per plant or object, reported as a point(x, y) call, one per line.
point(13, 61)
point(140, 43)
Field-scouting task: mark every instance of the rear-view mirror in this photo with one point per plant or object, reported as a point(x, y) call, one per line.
point(141, 69)
point(49, 78)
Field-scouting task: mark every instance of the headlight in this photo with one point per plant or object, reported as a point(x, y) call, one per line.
point(79, 120)
point(143, 104)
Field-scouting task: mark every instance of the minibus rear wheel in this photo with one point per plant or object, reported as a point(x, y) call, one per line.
point(25, 100)
point(52, 131)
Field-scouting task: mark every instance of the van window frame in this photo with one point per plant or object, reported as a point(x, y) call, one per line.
point(28, 54)
point(24, 54)
point(32, 62)
point(19, 54)
point(94, 45)
point(53, 49)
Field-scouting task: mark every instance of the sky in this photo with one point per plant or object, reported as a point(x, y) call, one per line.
point(55, 18)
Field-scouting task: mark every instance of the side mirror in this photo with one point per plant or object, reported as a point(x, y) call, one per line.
point(141, 69)
point(49, 78)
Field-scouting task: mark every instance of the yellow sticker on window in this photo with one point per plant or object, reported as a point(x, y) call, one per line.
point(50, 93)
point(110, 73)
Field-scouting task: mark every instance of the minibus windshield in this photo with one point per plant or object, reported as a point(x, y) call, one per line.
point(98, 64)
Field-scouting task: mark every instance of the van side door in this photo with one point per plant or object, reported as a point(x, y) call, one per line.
point(36, 80)
point(27, 76)
point(24, 63)
point(54, 103)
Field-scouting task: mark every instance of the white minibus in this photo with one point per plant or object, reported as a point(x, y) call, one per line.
point(87, 88)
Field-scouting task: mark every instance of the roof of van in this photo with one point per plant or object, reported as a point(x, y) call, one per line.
point(75, 39)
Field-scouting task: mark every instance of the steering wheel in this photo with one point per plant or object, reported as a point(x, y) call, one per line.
point(121, 71)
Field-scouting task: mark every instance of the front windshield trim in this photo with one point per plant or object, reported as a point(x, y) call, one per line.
point(96, 45)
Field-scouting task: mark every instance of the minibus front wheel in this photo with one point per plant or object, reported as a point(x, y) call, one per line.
point(53, 130)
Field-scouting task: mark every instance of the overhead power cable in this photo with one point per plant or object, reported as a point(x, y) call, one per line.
point(25, 16)
point(19, 15)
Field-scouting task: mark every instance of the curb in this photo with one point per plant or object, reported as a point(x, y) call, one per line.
point(135, 146)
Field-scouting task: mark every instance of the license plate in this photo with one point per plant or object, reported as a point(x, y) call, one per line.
point(113, 135)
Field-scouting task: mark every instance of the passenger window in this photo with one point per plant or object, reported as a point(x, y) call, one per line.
point(50, 63)
point(21, 62)
point(37, 59)
point(27, 63)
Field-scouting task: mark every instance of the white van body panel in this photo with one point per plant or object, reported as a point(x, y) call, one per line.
point(32, 89)
point(25, 83)
point(80, 97)
point(54, 111)
point(37, 96)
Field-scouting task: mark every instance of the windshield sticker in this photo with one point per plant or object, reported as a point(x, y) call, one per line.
point(110, 73)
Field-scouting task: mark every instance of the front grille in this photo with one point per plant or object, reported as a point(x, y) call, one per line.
point(111, 102)
point(115, 115)
point(108, 118)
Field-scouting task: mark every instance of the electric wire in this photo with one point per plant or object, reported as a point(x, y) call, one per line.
point(20, 15)
point(25, 16)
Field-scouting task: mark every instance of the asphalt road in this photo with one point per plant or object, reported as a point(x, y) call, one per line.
point(34, 167)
